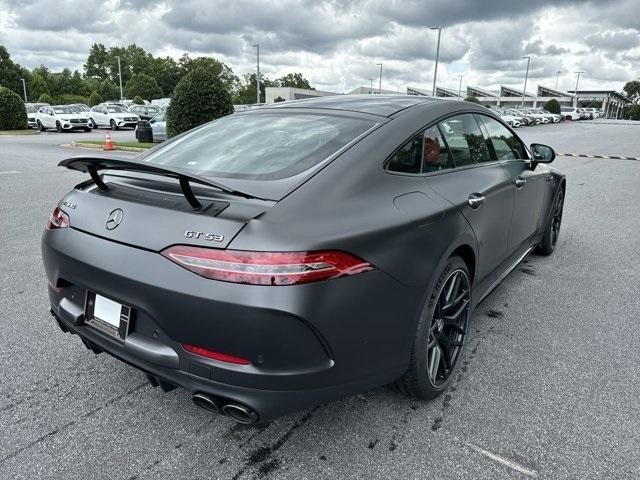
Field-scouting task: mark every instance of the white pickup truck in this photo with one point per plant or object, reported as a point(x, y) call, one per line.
point(60, 117)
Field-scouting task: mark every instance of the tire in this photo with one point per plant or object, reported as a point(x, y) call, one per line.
point(40, 126)
point(113, 125)
point(422, 380)
point(91, 123)
point(58, 127)
point(87, 129)
point(552, 230)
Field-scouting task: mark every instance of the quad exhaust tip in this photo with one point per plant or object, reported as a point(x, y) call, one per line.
point(240, 413)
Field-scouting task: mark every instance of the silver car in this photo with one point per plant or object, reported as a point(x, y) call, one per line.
point(159, 127)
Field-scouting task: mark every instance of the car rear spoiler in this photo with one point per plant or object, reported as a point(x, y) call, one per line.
point(92, 165)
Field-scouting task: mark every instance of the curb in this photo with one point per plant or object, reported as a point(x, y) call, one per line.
point(115, 147)
point(609, 157)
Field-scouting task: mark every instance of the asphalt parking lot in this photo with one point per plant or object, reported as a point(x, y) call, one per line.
point(548, 386)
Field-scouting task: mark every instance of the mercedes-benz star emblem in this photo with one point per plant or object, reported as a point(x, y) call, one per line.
point(114, 219)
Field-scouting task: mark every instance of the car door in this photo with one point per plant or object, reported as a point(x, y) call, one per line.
point(526, 183)
point(47, 119)
point(479, 187)
point(100, 117)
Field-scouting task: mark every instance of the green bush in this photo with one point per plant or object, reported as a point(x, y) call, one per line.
point(138, 100)
point(201, 96)
point(278, 99)
point(552, 106)
point(95, 99)
point(46, 98)
point(472, 99)
point(634, 112)
point(13, 115)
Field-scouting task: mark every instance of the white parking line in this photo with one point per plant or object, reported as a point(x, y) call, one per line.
point(503, 461)
point(9, 172)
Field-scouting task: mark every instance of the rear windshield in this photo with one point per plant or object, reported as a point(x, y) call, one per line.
point(263, 146)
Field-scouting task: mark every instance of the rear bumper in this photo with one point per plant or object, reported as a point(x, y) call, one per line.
point(308, 344)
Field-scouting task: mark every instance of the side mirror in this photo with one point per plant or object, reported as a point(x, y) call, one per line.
point(542, 153)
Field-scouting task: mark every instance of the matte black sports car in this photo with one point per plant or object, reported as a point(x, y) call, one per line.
point(286, 256)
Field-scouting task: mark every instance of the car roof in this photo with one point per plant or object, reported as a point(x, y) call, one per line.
point(383, 105)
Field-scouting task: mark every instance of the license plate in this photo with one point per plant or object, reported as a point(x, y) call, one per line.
point(109, 317)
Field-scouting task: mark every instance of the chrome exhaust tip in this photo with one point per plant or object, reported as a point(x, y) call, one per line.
point(240, 413)
point(206, 402)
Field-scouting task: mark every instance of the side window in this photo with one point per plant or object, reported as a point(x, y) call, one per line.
point(465, 140)
point(426, 152)
point(506, 145)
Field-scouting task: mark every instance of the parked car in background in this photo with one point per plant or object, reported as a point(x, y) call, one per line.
point(145, 112)
point(31, 115)
point(510, 119)
point(555, 118)
point(585, 114)
point(525, 118)
point(570, 113)
point(112, 116)
point(543, 118)
point(61, 117)
point(154, 130)
point(80, 107)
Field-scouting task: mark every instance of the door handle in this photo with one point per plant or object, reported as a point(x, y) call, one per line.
point(520, 182)
point(475, 200)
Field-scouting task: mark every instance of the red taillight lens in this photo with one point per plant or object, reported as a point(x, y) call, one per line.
point(223, 357)
point(266, 268)
point(58, 219)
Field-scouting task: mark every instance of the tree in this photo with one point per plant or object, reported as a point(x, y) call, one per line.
point(144, 86)
point(201, 96)
point(634, 112)
point(167, 73)
point(472, 99)
point(95, 99)
point(11, 73)
point(295, 80)
point(278, 99)
point(552, 106)
point(46, 98)
point(220, 69)
point(13, 115)
point(138, 100)
point(37, 87)
point(97, 62)
point(632, 89)
point(246, 94)
point(108, 90)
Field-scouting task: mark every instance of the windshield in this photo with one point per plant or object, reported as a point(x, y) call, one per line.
point(116, 110)
point(158, 118)
point(30, 109)
point(62, 110)
point(263, 146)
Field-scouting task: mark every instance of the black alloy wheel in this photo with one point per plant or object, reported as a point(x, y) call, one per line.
point(58, 127)
point(552, 230)
point(448, 328)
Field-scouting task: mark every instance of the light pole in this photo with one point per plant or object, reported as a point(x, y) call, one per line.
point(24, 89)
point(557, 77)
point(257, 45)
point(370, 86)
point(459, 85)
point(575, 98)
point(120, 77)
point(435, 71)
point(526, 76)
point(380, 79)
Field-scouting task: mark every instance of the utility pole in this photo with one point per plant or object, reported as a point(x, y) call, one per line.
point(435, 71)
point(380, 79)
point(526, 76)
point(120, 77)
point(24, 89)
point(370, 86)
point(575, 98)
point(557, 77)
point(459, 85)
point(257, 45)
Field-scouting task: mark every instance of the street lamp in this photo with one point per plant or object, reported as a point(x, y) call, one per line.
point(459, 85)
point(24, 89)
point(380, 79)
point(557, 77)
point(435, 71)
point(120, 77)
point(257, 45)
point(526, 76)
point(370, 86)
point(575, 98)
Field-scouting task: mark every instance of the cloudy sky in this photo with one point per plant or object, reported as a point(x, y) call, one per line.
point(336, 44)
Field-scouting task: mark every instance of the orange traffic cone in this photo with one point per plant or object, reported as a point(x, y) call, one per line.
point(108, 144)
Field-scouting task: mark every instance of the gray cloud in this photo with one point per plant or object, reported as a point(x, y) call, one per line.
point(613, 41)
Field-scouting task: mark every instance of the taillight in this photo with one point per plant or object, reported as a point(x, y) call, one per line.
point(223, 357)
point(58, 219)
point(266, 268)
